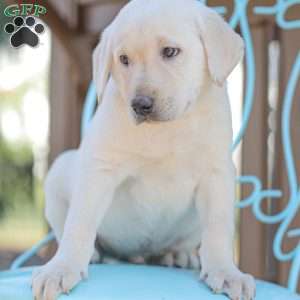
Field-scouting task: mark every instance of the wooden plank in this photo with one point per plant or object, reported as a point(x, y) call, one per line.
point(254, 161)
point(95, 2)
point(96, 17)
point(64, 111)
point(68, 10)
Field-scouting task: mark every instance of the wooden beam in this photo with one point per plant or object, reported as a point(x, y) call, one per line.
point(254, 161)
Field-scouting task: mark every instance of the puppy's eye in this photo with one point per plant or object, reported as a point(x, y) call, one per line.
point(169, 52)
point(124, 59)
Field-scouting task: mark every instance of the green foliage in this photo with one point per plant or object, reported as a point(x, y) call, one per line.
point(16, 178)
point(4, 37)
point(13, 98)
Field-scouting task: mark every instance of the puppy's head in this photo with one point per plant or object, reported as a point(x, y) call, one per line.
point(162, 54)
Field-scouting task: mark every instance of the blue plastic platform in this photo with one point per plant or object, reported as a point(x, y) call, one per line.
point(133, 282)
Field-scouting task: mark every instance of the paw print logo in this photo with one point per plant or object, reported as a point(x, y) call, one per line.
point(24, 31)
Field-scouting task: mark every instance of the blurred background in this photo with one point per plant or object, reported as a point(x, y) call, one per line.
point(42, 91)
point(24, 128)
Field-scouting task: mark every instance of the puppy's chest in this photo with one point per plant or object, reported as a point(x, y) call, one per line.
point(150, 206)
point(168, 182)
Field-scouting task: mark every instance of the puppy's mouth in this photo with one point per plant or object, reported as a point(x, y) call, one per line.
point(152, 118)
point(139, 119)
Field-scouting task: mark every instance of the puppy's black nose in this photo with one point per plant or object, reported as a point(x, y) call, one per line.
point(142, 105)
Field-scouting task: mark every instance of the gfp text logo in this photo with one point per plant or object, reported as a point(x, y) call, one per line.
point(25, 27)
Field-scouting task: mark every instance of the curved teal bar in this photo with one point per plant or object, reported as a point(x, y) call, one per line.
point(20, 260)
point(89, 107)
point(134, 282)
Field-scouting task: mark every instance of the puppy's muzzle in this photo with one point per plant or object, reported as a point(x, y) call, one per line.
point(142, 106)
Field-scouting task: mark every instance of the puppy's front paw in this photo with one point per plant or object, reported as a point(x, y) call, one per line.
point(230, 281)
point(53, 279)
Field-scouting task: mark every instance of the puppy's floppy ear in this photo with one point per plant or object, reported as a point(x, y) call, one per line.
point(102, 63)
point(223, 47)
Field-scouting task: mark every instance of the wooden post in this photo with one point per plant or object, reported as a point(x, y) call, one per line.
point(69, 78)
point(254, 160)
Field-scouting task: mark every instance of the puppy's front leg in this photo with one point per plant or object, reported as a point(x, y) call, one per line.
point(216, 252)
point(92, 194)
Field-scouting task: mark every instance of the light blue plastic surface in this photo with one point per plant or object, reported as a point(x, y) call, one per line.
point(132, 282)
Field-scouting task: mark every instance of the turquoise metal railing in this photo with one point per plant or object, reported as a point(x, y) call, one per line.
point(284, 218)
point(20, 260)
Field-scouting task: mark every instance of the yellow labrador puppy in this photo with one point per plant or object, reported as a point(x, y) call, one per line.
point(153, 176)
